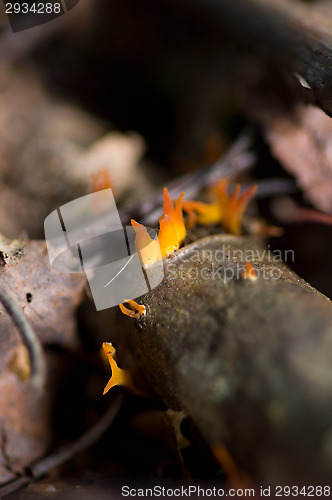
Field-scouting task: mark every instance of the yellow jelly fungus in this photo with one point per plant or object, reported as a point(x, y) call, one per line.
point(228, 209)
point(101, 180)
point(233, 206)
point(147, 248)
point(202, 213)
point(167, 237)
point(237, 478)
point(172, 232)
point(137, 311)
point(175, 213)
point(119, 376)
point(249, 273)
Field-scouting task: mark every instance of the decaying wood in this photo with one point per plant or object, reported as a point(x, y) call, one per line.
point(250, 361)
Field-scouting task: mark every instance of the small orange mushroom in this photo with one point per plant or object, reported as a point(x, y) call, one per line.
point(202, 213)
point(172, 232)
point(147, 248)
point(249, 273)
point(137, 311)
point(233, 206)
point(168, 238)
point(119, 376)
point(237, 478)
point(228, 209)
point(101, 180)
point(175, 213)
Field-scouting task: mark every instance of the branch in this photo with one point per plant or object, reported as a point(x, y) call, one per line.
point(66, 453)
point(37, 361)
point(290, 33)
point(248, 360)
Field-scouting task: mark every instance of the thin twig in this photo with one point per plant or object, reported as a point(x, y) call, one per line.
point(37, 361)
point(287, 211)
point(274, 187)
point(40, 468)
point(236, 160)
point(14, 485)
point(66, 453)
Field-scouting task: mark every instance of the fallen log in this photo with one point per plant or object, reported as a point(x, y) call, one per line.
point(249, 359)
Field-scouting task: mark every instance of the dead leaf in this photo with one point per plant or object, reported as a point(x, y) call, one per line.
point(49, 300)
point(302, 143)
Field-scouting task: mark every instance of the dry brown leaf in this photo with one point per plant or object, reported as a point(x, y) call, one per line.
point(49, 300)
point(302, 143)
point(25, 424)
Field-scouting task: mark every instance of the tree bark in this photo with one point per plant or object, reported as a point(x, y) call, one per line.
point(250, 361)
